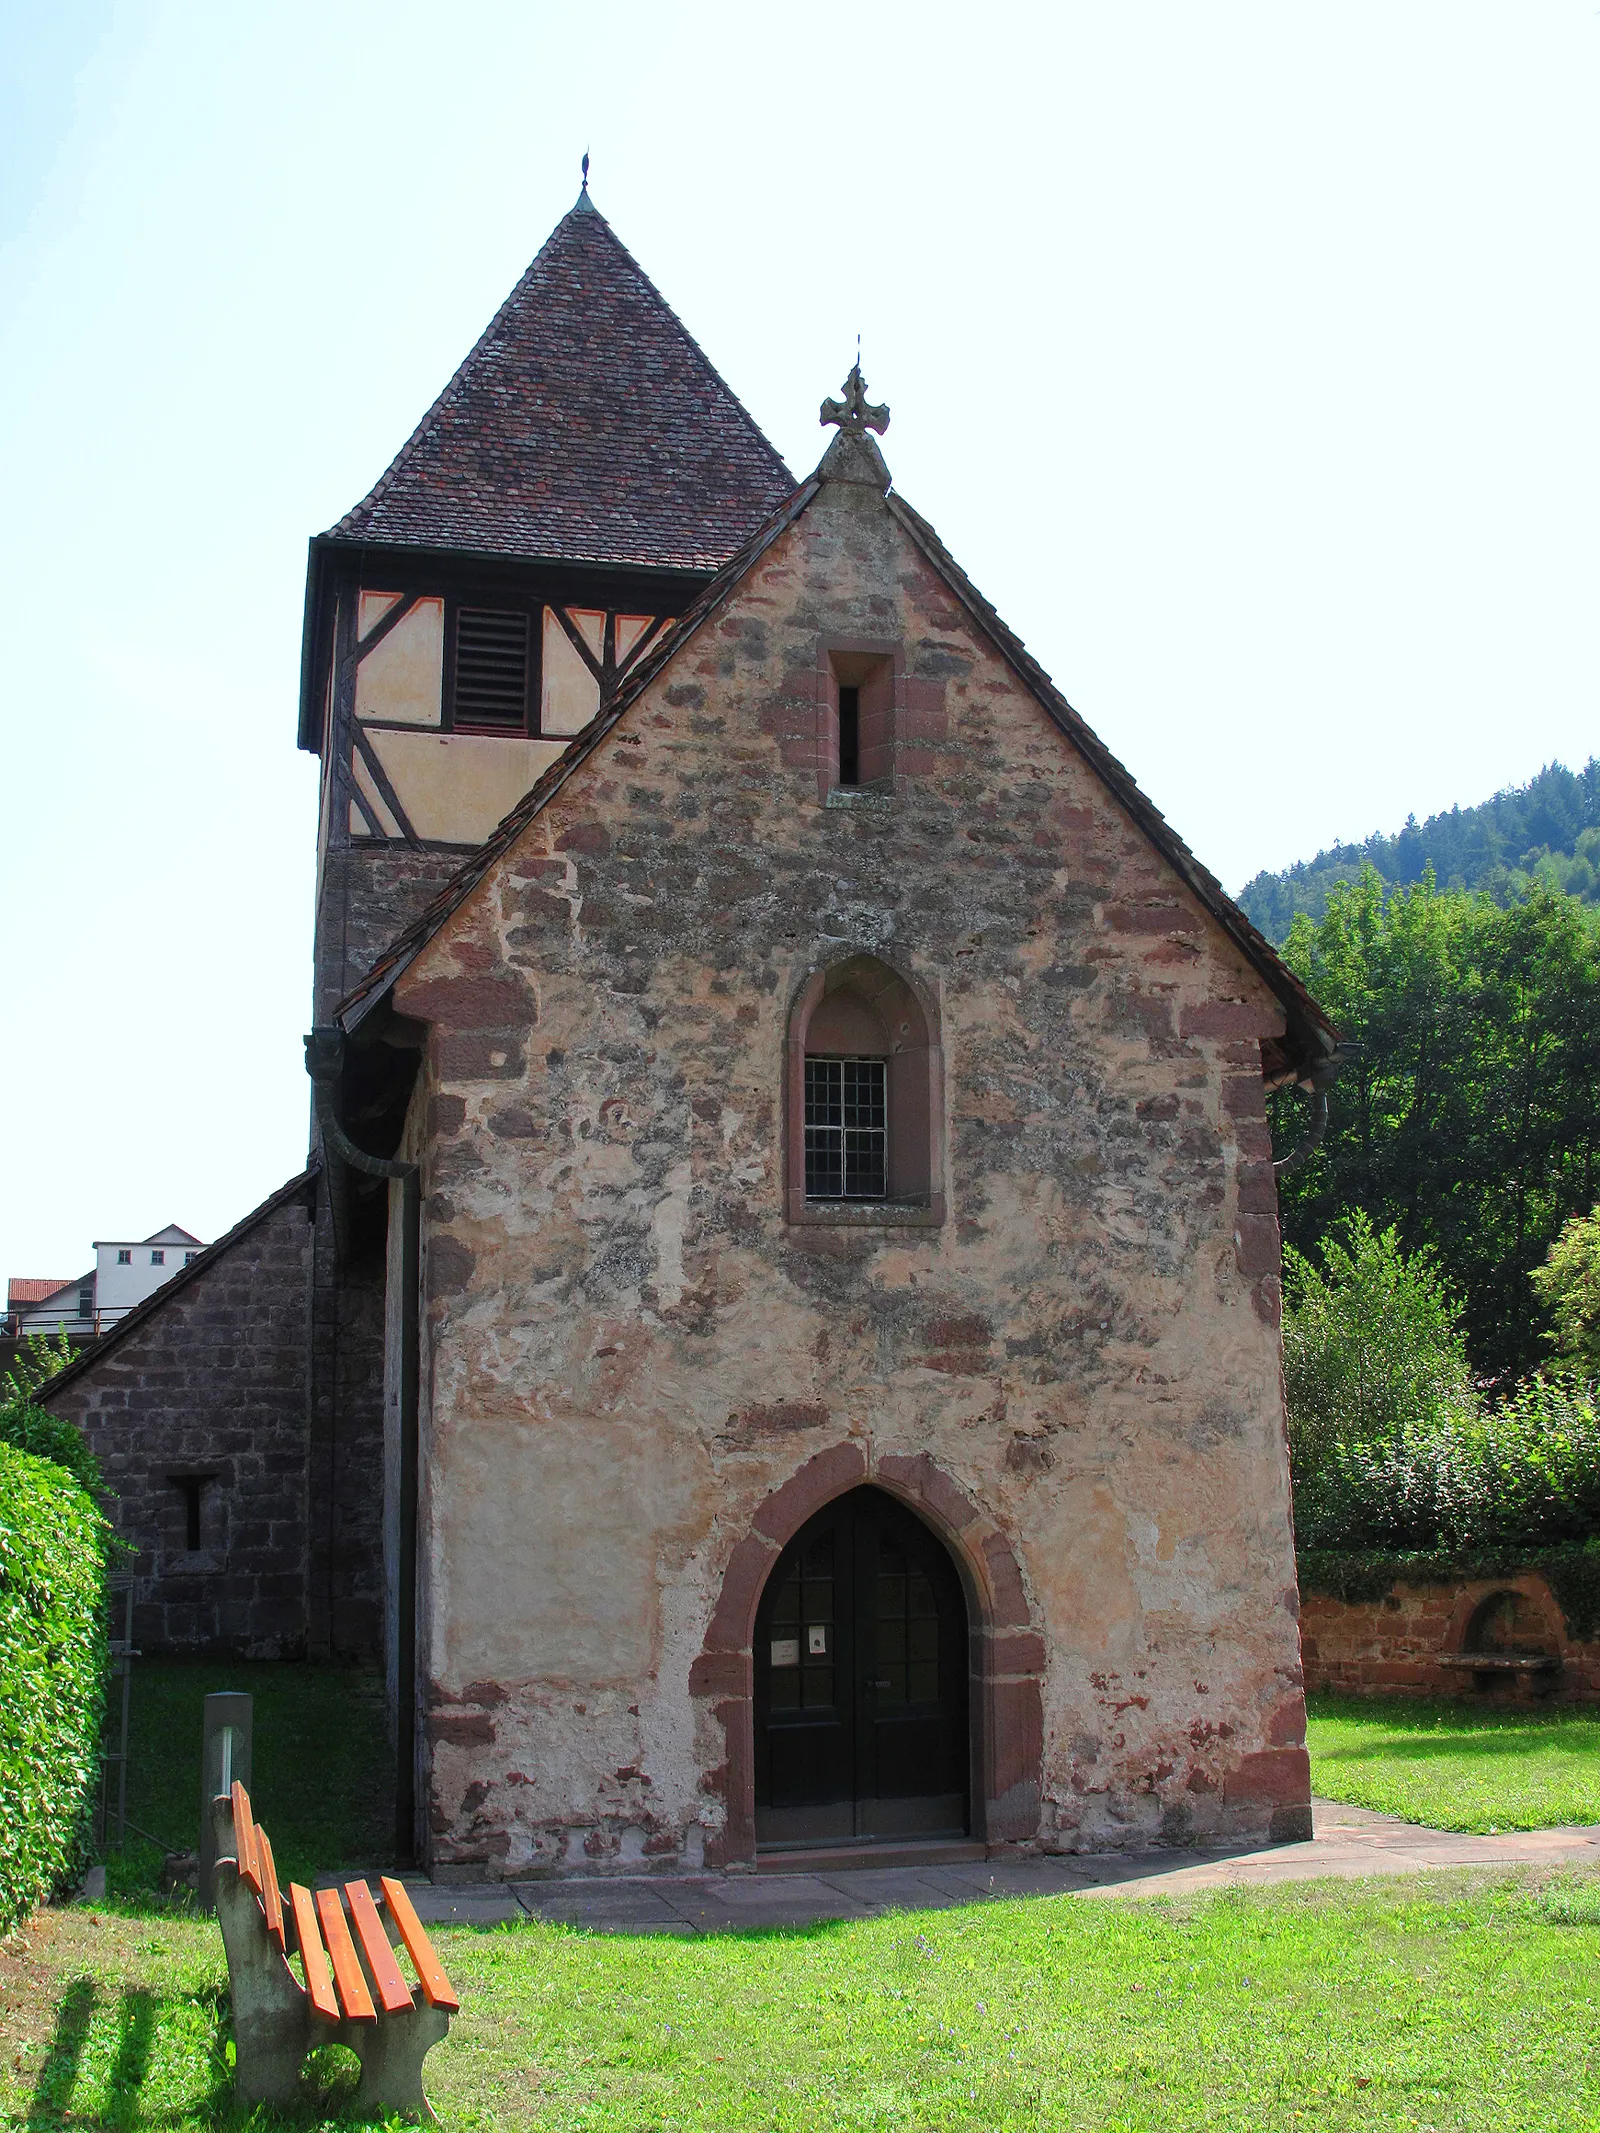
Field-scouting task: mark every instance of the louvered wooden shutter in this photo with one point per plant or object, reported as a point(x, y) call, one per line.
point(491, 693)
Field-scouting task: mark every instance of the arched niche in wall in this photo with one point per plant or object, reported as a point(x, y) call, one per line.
point(864, 1097)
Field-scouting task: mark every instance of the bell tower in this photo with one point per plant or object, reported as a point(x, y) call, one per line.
point(578, 480)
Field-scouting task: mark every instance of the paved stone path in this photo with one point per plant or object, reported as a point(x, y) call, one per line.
point(1349, 1842)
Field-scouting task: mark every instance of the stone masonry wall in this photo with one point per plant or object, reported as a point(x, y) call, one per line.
point(212, 1381)
point(365, 896)
point(1411, 1643)
point(636, 1369)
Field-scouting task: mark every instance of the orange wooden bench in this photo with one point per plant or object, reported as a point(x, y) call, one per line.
point(352, 1990)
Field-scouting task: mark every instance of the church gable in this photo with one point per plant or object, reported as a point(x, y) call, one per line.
point(853, 625)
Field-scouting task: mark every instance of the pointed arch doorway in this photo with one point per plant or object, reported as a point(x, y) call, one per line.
point(860, 1677)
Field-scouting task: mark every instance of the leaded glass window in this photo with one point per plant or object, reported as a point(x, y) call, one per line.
point(847, 1129)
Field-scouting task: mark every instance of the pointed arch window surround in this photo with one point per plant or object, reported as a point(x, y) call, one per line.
point(864, 1104)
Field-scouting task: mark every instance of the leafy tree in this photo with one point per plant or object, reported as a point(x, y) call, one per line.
point(1569, 1286)
point(1371, 1344)
point(1471, 1122)
point(28, 1427)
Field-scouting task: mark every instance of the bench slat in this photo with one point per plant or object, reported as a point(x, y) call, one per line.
point(353, 1994)
point(319, 1981)
point(271, 1900)
point(437, 1989)
point(244, 1838)
point(393, 1990)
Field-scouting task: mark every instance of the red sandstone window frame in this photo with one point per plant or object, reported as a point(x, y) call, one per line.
point(875, 667)
point(909, 1015)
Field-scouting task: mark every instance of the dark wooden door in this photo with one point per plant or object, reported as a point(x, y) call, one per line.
point(861, 1681)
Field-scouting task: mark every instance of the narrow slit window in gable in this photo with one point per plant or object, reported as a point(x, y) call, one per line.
point(849, 735)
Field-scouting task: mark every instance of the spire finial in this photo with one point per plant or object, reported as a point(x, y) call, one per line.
point(585, 185)
point(855, 413)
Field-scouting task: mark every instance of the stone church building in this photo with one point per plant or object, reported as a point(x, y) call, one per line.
point(777, 1343)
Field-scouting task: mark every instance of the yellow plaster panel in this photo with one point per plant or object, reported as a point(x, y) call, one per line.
point(402, 678)
point(630, 628)
point(372, 609)
point(455, 787)
point(569, 695)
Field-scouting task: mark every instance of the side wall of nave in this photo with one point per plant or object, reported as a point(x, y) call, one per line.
point(238, 1423)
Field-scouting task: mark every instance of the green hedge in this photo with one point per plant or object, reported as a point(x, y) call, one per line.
point(1573, 1570)
point(52, 1677)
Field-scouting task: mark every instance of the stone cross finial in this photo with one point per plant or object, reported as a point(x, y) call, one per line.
point(855, 413)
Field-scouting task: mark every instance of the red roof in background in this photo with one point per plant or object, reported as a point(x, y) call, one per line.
point(21, 1289)
point(586, 426)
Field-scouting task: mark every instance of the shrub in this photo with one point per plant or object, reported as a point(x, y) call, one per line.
point(52, 1676)
point(1569, 1285)
point(1371, 1344)
point(1523, 1474)
point(27, 1427)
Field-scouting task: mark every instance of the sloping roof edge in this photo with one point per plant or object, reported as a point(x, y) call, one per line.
point(1256, 948)
point(143, 1312)
point(1307, 1022)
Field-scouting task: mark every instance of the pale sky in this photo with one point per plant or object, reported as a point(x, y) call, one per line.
point(1246, 356)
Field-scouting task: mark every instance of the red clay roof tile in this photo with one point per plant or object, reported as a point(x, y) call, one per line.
point(586, 426)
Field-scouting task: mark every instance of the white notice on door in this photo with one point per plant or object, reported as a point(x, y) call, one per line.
point(786, 1651)
point(817, 1640)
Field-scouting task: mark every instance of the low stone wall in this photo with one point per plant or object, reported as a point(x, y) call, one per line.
point(1421, 1640)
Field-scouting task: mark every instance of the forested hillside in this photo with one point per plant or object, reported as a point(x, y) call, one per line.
point(1544, 833)
point(1470, 1118)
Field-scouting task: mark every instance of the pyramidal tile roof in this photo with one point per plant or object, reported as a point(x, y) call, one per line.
point(586, 426)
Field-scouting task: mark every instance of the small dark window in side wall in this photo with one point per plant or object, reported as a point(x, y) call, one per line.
point(190, 1487)
point(491, 671)
point(158, 1258)
point(124, 1258)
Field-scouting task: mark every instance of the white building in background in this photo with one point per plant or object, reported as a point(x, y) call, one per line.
point(125, 1272)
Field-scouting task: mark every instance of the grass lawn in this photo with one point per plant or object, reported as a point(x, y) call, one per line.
point(322, 1769)
point(1466, 2002)
point(1457, 1765)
